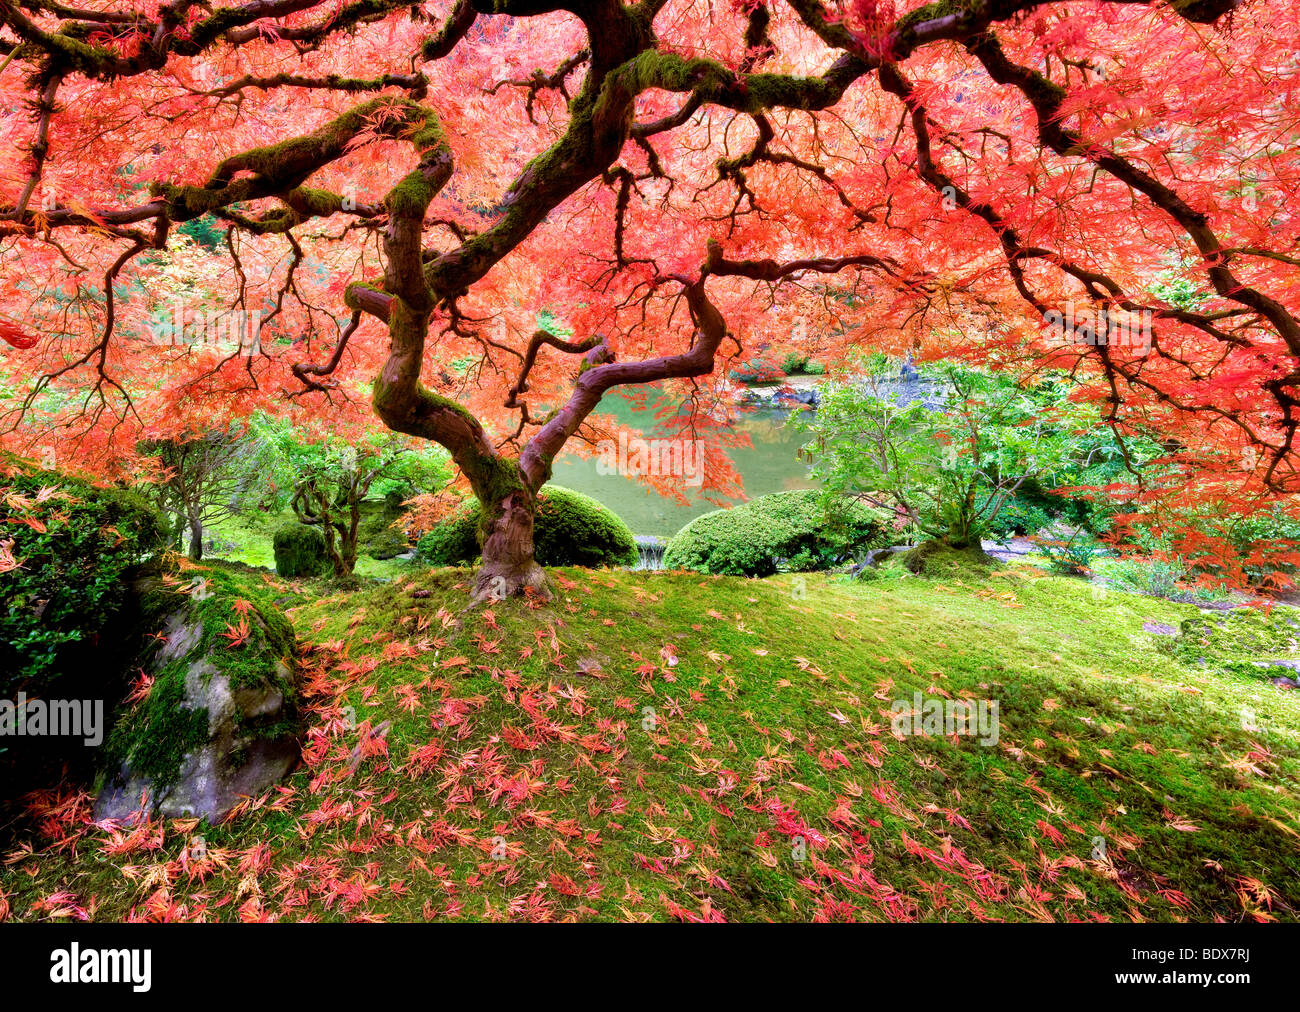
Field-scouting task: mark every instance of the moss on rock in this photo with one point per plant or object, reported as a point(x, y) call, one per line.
point(300, 551)
point(937, 558)
point(1239, 634)
point(220, 716)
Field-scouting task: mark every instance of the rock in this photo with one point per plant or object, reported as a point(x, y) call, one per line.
point(1059, 531)
point(1159, 629)
point(875, 556)
point(1280, 662)
point(809, 396)
point(1285, 683)
point(220, 722)
point(1016, 548)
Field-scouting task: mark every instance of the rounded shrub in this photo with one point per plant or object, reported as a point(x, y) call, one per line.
point(792, 530)
point(570, 529)
point(452, 542)
point(758, 369)
point(300, 551)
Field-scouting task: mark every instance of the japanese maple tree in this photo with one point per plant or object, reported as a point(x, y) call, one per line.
point(394, 187)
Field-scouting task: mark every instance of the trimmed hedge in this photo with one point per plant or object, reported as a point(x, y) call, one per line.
point(786, 529)
point(570, 529)
point(300, 551)
point(68, 549)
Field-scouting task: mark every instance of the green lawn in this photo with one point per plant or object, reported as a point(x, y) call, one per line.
point(664, 745)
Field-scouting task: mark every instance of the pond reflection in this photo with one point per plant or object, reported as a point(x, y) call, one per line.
point(770, 465)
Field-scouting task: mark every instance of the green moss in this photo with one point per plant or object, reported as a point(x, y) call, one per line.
point(411, 196)
point(759, 732)
point(377, 536)
point(153, 737)
point(1241, 633)
point(300, 551)
point(570, 529)
point(936, 558)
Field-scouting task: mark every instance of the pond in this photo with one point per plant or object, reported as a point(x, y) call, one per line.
point(770, 465)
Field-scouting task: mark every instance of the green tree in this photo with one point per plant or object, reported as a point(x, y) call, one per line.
point(946, 448)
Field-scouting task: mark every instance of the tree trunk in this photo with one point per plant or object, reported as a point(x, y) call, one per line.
point(196, 538)
point(508, 564)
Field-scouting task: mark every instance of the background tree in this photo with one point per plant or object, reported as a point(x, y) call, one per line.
point(949, 461)
point(326, 483)
point(403, 186)
point(203, 480)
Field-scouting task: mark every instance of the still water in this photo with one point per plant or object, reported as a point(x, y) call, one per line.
point(770, 465)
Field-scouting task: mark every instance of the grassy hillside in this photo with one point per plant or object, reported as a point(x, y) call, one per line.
point(503, 764)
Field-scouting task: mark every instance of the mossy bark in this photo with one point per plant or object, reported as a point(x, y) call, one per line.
point(506, 539)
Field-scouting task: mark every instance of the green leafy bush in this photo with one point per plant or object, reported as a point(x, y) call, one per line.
point(300, 551)
point(1071, 556)
point(1018, 517)
point(756, 370)
point(453, 542)
point(1141, 575)
point(790, 529)
point(796, 363)
point(67, 549)
point(570, 529)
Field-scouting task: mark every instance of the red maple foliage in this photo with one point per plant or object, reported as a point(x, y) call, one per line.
point(377, 189)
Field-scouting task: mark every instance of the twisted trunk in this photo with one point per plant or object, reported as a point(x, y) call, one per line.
point(508, 566)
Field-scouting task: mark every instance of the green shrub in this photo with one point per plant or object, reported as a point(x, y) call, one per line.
point(72, 546)
point(1018, 517)
point(570, 529)
point(1157, 577)
point(756, 370)
point(789, 529)
point(1071, 556)
point(796, 363)
point(300, 551)
point(453, 542)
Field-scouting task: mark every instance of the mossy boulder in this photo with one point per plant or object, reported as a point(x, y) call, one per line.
point(792, 530)
point(570, 529)
point(220, 720)
point(379, 535)
point(300, 551)
point(938, 558)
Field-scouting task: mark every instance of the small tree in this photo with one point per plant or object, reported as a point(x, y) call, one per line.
point(329, 497)
point(947, 462)
point(331, 480)
point(202, 481)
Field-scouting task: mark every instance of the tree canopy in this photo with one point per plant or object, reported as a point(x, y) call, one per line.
point(340, 211)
